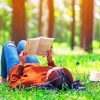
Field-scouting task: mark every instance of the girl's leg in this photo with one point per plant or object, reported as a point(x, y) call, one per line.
point(3, 65)
point(21, 47)
point(9, 58)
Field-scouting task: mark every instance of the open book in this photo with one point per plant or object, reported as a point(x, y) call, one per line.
point(38, 46)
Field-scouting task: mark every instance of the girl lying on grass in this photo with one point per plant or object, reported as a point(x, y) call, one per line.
point(26, 71)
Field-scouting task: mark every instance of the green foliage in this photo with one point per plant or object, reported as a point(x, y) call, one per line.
point(97, 30)
point(62, 22)
point(95, 44)
point(32, 19)
point(63, 19)
point(5, 21)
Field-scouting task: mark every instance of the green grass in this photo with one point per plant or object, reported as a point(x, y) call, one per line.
point(79, 64)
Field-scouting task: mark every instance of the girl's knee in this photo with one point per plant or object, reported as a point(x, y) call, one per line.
point(8, 43)
point(21, 46)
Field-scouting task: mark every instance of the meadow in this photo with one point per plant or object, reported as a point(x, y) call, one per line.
point(79, 63)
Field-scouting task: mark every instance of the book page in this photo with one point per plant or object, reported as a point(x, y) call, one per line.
point(32, 46)
point(44, 45)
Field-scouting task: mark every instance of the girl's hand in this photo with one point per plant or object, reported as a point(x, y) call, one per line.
point(22, 57)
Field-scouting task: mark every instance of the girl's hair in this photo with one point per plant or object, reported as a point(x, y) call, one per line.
point(60, 76)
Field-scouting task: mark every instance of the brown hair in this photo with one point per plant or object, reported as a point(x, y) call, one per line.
point(58, 76)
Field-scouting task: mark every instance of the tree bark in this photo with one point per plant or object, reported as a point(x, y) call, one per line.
point(50, 19)
point(18, 21)
point(82, 23)
point(73, 24)
point(87, 24)
point(40, 18)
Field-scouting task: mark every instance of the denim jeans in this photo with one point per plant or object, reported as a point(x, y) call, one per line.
point(10, 56)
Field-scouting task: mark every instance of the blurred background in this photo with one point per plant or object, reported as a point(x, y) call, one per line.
point(73, 23)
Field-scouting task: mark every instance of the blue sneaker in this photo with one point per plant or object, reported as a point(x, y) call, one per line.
point(76, 85)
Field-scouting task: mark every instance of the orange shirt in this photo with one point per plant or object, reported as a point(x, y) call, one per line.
point(29, 74)
point(35, 74)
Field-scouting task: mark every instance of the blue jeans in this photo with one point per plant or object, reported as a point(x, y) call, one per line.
point(10, 56)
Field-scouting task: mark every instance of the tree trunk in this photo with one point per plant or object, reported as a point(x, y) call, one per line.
point(73, 24)
point(18, 21)
point(50, 19)
point(87, 24)
point(82, 23)
point(40, 18)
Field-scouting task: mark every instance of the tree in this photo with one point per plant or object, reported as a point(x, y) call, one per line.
point(51, 18)
point(82, 22)
point(18, 20)
point(40, 17)
point(87, 24)
point(73, 24)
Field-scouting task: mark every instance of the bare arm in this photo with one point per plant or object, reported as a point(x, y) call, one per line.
point(49, 58)
point(22, 57)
